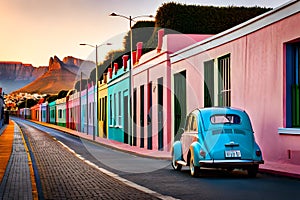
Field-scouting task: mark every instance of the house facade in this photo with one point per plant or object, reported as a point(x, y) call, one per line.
point(152, 92)
point(102, 107)
point(74, 111)
point(253, 66)
point(60, 112)
point(118, 103)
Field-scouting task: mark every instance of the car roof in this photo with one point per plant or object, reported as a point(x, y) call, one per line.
point(206, 113)
point(229, 110)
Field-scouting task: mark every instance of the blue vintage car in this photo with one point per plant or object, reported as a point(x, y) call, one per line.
point(217, 137)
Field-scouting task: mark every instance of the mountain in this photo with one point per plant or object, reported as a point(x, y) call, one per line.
point(14, 75)
point(61, 75)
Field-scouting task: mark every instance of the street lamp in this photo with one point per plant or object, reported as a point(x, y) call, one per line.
point(96, 81)
point(130, 18)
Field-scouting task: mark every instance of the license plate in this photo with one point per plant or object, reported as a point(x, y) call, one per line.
point(233, 154)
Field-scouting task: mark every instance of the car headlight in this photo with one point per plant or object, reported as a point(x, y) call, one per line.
point(202, 153)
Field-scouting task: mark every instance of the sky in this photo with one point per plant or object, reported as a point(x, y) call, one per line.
point(32, 31)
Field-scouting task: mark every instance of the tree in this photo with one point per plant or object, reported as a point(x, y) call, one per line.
point(62, 94)
point(194, 19)
point(27, 103)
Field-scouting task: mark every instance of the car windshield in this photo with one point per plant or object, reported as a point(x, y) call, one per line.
point(225, 119)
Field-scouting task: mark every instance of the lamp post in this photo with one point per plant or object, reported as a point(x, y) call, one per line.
point(96, 81)
point(130, 18)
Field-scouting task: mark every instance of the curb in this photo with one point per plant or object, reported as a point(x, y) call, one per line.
point(30, 164)
point(279, 173)
point(101, 143)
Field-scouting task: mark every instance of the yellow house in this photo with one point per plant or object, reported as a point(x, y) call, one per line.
point(102, 107)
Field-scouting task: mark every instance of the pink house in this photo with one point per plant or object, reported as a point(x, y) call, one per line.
point(253, 66)
point(74, 111)
point(151, 91)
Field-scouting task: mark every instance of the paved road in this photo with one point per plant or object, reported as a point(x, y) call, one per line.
point(65, 176)
point(158, 175)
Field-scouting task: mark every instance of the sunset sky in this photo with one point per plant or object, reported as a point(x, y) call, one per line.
point(34, 30)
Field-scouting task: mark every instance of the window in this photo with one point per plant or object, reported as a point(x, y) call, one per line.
point(224, 81)
point(187, 124)
point(293, 85)
point(191, 124)
point(59, 113)
point(160, 117)
point(104, 108)
point(194, 124)
point(44, 114)
point(179, 102)
point(142, 107)
point(90, 110)
point(110, 110)
point(225, 119)
point(119, 112)
point(115, 109)
point(209, 83)
point(134, 116)
point(99, 111)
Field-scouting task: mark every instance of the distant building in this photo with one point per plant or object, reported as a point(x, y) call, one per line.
point(1, 109)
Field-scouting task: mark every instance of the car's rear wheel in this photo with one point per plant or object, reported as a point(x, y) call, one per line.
point(175, 165)
point(252, 171)
point(195, 170)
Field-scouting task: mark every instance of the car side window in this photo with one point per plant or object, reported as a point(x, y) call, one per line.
point(194, 124)
point(187, 124)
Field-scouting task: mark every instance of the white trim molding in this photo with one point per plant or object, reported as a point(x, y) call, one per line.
point(245, 28)
point(289, 131)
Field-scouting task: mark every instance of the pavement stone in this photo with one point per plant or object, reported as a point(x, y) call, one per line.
point(16, 182)
point(65, 176)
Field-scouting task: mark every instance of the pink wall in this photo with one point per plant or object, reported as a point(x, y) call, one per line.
point(257, 85)
point(151, 74)
point(151, 67)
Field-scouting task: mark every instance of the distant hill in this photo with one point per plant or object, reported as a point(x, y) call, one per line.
point(14, 75)
point(61, 75)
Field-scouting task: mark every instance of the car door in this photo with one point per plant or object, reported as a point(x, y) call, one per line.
point(190, 134)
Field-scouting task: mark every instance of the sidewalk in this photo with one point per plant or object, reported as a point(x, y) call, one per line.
point(16, 173)
point(164, 155)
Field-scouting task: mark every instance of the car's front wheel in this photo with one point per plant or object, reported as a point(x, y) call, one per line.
point(175, 165)
point(195, 170)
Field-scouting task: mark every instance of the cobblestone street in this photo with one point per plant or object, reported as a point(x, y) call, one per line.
point(65, 176)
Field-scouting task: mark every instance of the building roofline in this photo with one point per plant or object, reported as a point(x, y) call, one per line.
point(245, 28)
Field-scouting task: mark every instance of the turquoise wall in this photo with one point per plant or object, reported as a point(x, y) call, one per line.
point(118, 88)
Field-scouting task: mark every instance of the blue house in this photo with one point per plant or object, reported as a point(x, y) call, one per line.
point(118, 103)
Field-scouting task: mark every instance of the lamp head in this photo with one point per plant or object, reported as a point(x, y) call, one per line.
point(113, 14)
